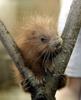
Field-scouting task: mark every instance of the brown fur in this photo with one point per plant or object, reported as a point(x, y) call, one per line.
point(38, 40)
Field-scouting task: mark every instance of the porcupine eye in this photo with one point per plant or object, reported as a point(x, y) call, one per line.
point(44, 39)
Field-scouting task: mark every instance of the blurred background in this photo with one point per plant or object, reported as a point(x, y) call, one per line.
point(14, 13)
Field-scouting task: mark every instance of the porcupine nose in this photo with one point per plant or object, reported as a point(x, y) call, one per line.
point(56, 44)
point(59, 43)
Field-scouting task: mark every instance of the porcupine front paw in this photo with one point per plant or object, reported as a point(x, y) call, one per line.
point(27, 86)
point(40, 80)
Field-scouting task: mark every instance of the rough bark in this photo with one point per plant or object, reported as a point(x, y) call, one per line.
point(69, 36)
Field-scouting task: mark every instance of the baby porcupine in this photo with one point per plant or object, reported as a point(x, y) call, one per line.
point(39, 43)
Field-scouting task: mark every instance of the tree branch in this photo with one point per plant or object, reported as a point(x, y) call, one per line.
point(69, 36)
point(15, 54)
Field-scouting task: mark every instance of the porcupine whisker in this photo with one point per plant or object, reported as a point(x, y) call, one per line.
point(39, 56)
point(44, 63)
point(45, 56)
point(48, 55)
point(47, 59)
